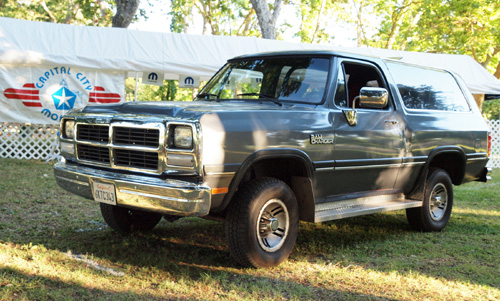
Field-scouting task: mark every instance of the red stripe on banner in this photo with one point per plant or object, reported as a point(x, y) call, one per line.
point(32, 104)
point(104, 100)
point(98, 96)
point(26, 94)
point(21, 96)
point(20, 91)
point(93, 94)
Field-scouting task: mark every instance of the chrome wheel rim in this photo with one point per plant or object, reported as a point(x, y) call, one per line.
point(438, 201)
point(272, 225)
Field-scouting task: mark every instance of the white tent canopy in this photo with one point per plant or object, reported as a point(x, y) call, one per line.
point(27, 43)
point(477, 78)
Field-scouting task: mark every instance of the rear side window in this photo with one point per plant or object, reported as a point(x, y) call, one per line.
point(428, 89)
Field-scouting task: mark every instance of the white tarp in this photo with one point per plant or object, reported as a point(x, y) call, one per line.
point(477, 78)
point(116, 51)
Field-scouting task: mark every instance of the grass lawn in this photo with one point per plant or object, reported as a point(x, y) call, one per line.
point(54, 245)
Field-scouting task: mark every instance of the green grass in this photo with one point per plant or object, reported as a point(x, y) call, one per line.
point(54, 245)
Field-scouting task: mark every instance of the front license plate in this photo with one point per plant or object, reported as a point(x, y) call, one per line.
point(104, 193)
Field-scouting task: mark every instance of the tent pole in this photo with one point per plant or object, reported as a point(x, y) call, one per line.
point(136, 79)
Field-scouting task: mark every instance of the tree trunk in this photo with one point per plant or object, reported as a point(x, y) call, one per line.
point(72, 11)
point(359, 29)
point(318, 21)
point(497, 72)
point(479, 100)
point(244, 28)
point(47, 10)
point(102, 8)
point(267, 20)
point(125, 12)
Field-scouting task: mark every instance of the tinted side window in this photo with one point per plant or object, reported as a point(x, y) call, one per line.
point(351, 78)
point(428, 89)
point(340, 92)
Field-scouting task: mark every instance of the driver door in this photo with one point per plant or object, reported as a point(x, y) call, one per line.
point(368, 155)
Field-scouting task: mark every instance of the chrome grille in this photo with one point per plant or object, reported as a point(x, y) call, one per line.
point(132, 146)
point(93, 153)
point(136, 159)
point(92, 132)
point(136, 136)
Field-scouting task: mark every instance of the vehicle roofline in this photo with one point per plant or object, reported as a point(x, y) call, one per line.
point(330, 53)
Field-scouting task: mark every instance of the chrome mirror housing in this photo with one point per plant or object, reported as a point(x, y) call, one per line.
point(373, 98)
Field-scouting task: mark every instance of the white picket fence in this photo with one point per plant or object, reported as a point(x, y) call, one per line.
point(495, 143)
point(35, 141)
point(28, 141)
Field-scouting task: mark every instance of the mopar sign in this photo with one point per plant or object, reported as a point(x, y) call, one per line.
point(187, 81)
point(153, 78)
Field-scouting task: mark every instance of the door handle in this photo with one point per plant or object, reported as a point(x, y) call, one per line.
point(392, 122)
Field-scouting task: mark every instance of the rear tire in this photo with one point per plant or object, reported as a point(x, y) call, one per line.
point(437, 204)
point(125, 220)
point(262, 223)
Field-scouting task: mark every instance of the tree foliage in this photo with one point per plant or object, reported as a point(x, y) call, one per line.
point(169, 91)
point(81, 12)
point(491, 109)
point(78, 12)
point(314, 18)
point(469, 27)
point(221, 17)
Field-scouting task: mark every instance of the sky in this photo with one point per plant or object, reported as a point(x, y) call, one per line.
point(159, 21)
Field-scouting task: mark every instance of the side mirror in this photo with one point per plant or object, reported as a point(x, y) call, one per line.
point(373, 98)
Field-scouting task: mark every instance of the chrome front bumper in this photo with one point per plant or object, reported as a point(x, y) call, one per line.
point(172, 197)
point(486, 175)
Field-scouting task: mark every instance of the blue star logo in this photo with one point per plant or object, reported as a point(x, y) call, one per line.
point(64, 99)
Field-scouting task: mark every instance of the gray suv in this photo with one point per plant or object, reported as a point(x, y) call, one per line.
point(280, 137)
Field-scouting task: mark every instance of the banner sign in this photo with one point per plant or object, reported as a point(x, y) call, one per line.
point(153, 78)
point(186, 81)
point(42, 95)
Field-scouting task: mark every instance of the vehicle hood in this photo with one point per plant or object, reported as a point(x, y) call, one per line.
point(183, 110)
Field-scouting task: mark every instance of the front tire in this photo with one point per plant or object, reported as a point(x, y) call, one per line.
point(262, 223)
point(437, 204)
point(125, 220)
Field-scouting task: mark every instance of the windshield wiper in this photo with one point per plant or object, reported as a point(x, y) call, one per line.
point(263, 96)
point(203, 95)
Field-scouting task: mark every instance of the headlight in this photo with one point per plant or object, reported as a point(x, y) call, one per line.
point(69, 129)
point(183, 137)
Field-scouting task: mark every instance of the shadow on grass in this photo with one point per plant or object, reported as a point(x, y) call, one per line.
point(37, 212)
point(23, 286)
point(188, 251)
point(383, 242)
point(191, 247)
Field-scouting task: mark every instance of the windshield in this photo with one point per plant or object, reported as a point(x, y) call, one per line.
point(290, 79)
